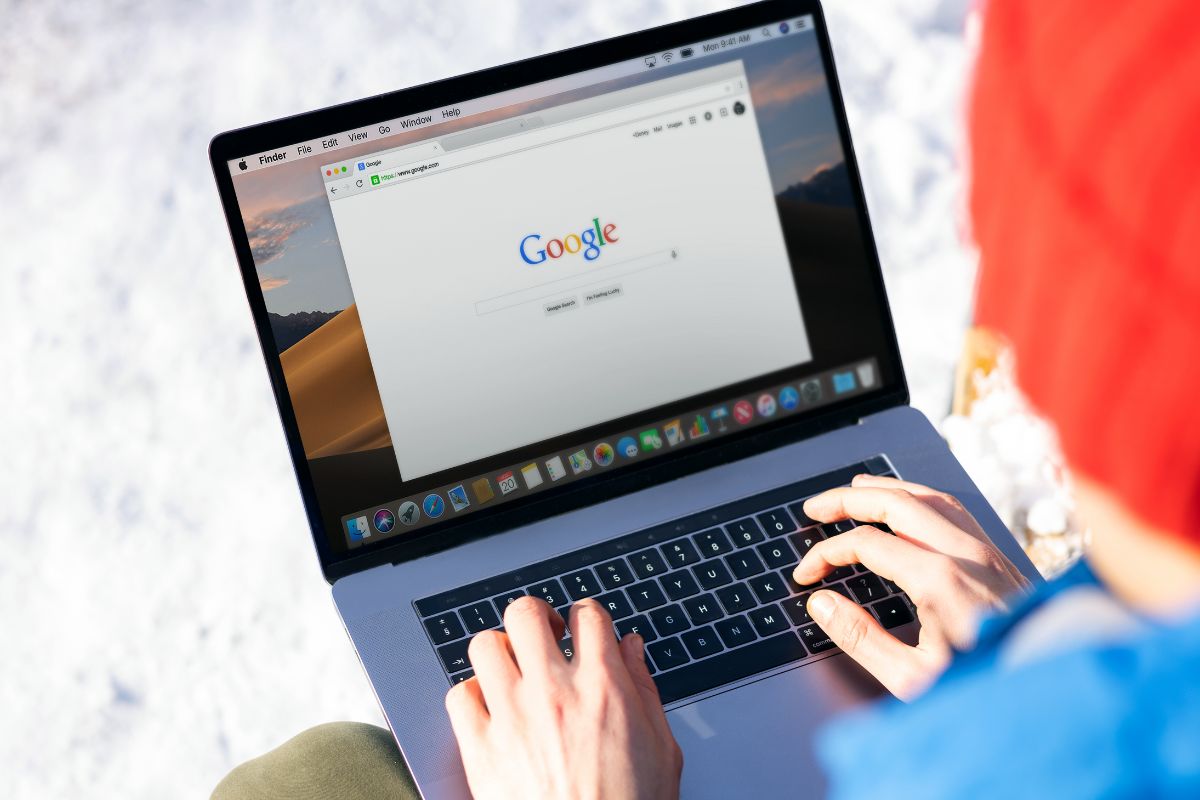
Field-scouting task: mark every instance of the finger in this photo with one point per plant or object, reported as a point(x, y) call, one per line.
point(852, 628)
point(595, 640)
point(945, 504)
point(887, 556)
point(495, 668)
point(896, 508)
point(533, 629)
point(468, 712)
point(633, 652)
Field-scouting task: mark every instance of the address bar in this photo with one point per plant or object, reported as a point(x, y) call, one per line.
point(679, 101)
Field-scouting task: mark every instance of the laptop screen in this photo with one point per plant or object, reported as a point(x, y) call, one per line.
point(490, 300)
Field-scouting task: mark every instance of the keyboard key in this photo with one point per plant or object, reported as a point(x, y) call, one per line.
point(831, 529)
point(768, 620)
point(454, 655)
point(465, 675)
point(679, 584)
point(681, 553)
point(669, 620)
point(550, 591)
point(778, 554)
point(745, 532)
point(639, 625)
point(790, 582)
point(648, 563)
point(712, 543)
point(736, 598)
point(615, 574)
point(503, 601)
point(728, 666)
point(839, 574)
point(797, 510)
point(444, 628)
point(777, 522)
point(745, 563)
point(646, 595)
point(840, 588)
point(712, 574)
point(892, 612)
point(565, 613)
point(702, 609)
point(735, 631)
point(797, 609)
point(866, 588)
point(667, 653)
point(815, 639)
point(890, 586)
point(702, 642)
point(581, 584)
point(479, 617)
point(768, 587)
point(804, 540)
point(616, 604)
point(567, 646)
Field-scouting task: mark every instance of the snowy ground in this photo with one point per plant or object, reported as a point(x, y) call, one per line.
point(163, 616)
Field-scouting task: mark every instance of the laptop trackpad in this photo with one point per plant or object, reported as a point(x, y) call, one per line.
point(757, 740)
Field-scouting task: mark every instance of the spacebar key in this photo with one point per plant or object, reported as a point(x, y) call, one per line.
point(729, 666)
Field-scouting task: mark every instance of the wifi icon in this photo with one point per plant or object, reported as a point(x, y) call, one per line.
point(667, 57)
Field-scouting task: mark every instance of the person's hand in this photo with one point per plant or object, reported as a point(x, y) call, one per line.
point(939, 555)
point(532, 724)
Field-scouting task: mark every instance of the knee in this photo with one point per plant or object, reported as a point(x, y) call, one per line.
point(337, 760)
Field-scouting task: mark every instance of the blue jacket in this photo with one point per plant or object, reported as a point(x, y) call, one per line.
point(1104, 720)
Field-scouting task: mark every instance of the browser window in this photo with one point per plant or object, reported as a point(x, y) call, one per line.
point(504, 296)
point(604, 257)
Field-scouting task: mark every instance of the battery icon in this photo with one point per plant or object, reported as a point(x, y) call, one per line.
point(685, 52)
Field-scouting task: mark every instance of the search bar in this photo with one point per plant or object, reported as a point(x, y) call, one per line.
point(557, 289)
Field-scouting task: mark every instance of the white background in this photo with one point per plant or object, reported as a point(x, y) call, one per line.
point(162, 612)
point(458, 386)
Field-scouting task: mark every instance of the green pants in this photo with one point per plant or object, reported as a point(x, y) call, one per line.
point(336, 761)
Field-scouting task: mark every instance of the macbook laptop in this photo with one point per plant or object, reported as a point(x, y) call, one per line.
point(593, 324)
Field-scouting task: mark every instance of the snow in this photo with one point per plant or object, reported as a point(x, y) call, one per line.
point(163, 614)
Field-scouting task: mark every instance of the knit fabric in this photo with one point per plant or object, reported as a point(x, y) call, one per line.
point(1085, 203)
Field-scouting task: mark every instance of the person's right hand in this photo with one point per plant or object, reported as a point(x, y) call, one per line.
point(939, 555)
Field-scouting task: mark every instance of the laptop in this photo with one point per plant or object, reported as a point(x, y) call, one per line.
point(593, 324)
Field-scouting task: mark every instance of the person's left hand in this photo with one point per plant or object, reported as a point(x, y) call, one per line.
point(532, 724)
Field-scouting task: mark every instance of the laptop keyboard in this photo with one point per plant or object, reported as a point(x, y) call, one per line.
point(711, 593)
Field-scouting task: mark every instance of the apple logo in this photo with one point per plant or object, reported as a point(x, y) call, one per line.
point(242, 165)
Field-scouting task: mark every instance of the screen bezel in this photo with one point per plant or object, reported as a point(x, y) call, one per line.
point(280, 133)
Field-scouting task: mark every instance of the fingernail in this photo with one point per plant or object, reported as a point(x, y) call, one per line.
point(640, 644)
point(820, 606)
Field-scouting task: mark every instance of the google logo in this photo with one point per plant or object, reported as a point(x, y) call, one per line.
point(589, 240)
